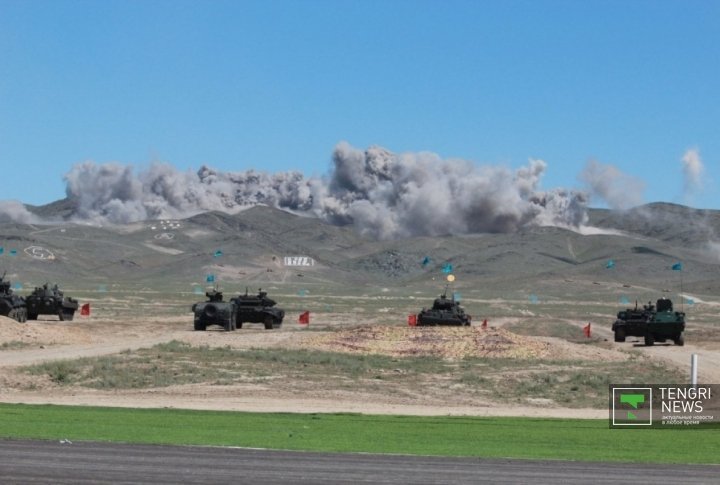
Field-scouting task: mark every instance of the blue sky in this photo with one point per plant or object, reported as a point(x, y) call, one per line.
point(274, 85)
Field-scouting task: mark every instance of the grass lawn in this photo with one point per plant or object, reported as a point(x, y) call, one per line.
point(589, 440)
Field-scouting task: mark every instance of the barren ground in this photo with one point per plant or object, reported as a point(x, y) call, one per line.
point(50, 340)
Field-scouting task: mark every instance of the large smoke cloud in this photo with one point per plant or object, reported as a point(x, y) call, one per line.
point(609, 184)
point(384, 195)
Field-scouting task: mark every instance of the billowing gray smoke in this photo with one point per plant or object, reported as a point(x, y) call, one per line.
point(609, 184)
point(384, 195)
point(14, 211)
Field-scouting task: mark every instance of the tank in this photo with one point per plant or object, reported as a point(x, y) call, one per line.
point(655, 323)
point(214, 311)
point(445, 311)
point(258, 309)
point(50, 300)
point(11, 305)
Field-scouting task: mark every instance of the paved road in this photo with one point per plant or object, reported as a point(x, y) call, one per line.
point(100, 463)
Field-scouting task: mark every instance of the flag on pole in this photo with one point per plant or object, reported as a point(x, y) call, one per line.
point(85, 310)
point(2, 249)
point(426, 261)
point(412, 320)
point(304, 318)
point(447, 268)
point(218, 253)
point(210, 278)
point(677, 267)
point(484, 324)
point(586, 330)
point(610, 264)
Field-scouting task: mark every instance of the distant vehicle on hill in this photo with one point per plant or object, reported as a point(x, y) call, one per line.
point(655, 323)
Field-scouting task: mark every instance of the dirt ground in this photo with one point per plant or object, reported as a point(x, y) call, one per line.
point(34, 342)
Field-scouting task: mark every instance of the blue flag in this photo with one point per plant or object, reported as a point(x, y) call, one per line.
point(2, 250)
point(426, 261)
point(534, 299)
point(218, 253)
point(210, 278)
point(447, 268)
point(624, 300)
point(197, 290)
point(689, 301)
point(457, 296)
point(302, 292)
point(610, 264)
point(13, 252)
point(677, 267)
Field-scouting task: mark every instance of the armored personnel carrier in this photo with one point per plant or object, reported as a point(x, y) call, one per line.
point(445, 311)
point(258, 309)
point(11, 305)
point(47, 300)
point(214, 311)
point(655, 323)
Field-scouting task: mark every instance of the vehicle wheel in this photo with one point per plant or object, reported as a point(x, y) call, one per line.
point(649, 340)
point(199, 325)
point(268, 323)
point(69, 315)
point(61, 315)
point(228, 325)
point(620, 335)
point(679, 340)
point(32, 316)
point(239, 324)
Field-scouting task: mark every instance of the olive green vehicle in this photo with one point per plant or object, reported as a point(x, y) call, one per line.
point(11, 305)
point(49, 300)
point(445, 311)
point(655, 323)
point(258, 309)
point(214, 311)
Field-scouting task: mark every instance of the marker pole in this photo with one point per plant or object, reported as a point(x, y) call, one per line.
point(693, 369)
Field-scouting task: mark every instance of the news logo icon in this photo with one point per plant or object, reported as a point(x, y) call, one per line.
point(631, 406)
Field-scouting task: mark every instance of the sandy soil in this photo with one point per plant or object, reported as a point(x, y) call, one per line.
point(35, 342)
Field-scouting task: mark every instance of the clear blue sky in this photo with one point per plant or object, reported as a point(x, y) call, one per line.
point(274, 85)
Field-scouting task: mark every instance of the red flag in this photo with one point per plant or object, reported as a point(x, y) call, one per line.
point(586, 330)
point(484, 323)
point(304, 318)
point(412, 320)
point(85, 310)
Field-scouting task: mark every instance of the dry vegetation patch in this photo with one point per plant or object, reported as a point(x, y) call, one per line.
point(442, 342)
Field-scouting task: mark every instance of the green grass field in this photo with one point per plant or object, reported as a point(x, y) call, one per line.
point(587, 440)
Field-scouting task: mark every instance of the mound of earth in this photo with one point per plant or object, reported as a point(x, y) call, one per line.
point(41, 332)
point(443, 342)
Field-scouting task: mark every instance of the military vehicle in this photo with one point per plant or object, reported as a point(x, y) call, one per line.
point(653, 323)
point(11, 305)
point(445, 311)
point(258, 309)
point(47, 300)
point(214, 311)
